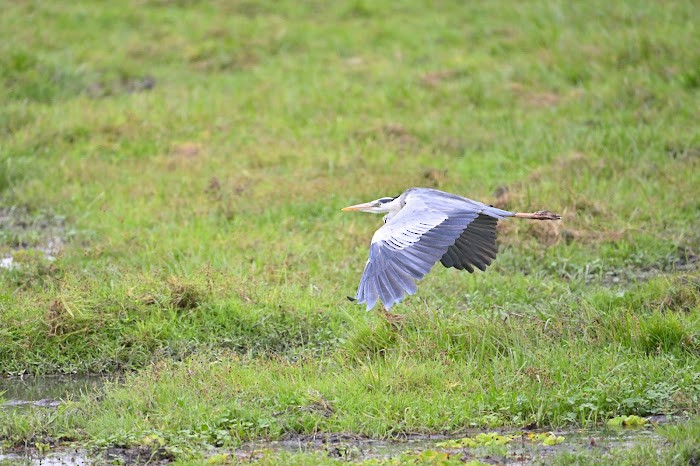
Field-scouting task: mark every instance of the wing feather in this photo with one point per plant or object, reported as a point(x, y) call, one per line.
point(385, 287)
point(475, 247)
point(405, 281)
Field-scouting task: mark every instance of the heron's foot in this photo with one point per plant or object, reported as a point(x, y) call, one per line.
point(539, 215)
point(546, 215)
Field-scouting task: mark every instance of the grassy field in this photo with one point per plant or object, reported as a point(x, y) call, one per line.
point(185, 162)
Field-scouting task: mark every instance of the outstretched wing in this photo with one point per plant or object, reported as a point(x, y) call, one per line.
point(475, 247)
point(410, 243)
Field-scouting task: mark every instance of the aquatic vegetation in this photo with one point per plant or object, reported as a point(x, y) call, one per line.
point(628, 421)
point(424, 458)
point(494, 438)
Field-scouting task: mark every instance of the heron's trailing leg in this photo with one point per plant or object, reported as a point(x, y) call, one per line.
point(390, 317)
point(539, 215)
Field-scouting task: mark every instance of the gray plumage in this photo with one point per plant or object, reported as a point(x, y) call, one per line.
point(424, 226)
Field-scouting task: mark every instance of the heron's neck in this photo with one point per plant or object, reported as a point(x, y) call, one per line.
point(392, 208)
point(391, 214)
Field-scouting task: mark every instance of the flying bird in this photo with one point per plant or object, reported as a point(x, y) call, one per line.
point(421, 227)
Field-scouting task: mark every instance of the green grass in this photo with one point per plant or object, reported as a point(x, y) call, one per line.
point(192, 159)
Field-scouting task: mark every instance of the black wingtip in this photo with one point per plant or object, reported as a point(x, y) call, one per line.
point(351, 299)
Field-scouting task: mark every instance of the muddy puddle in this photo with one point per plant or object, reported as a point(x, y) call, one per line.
point(523, 448)
point(46, 391)
point(57, 458)
point(25, 234)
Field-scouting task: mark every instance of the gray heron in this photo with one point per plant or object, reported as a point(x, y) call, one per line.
point(421, 227)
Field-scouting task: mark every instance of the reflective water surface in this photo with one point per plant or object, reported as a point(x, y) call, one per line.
point(46, 391)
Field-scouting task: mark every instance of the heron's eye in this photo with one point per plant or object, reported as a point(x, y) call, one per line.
point(385, 200)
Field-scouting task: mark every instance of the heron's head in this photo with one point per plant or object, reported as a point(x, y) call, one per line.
point(382, 205)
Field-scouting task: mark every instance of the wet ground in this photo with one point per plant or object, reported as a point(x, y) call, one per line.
point(23, 232)
point(46, 391)
point(500, 447)
point(68, 457)
point(77, 456)
point(522, 450)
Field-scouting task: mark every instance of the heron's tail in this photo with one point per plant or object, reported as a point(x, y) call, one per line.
point(539, 215)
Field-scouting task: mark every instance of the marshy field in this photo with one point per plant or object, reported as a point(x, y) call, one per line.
point(173, 254)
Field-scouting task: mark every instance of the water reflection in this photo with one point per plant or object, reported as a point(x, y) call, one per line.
point(56, 458)
point(47, 391)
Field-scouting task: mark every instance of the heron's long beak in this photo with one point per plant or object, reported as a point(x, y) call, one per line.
point(360, 207)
